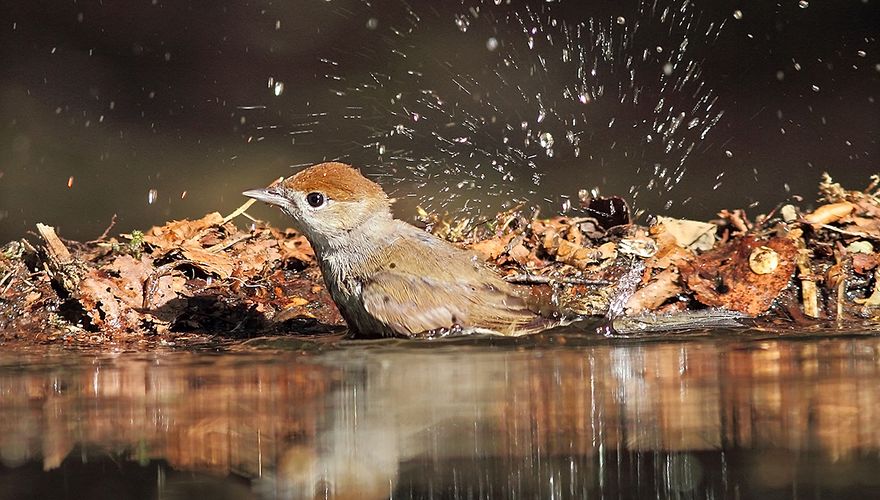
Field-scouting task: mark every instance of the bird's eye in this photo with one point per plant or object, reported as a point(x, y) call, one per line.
point(315, 199)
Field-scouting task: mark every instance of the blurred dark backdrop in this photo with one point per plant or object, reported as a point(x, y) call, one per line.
point(159, 109)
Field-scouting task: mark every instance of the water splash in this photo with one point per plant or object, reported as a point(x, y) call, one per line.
point(474, 104)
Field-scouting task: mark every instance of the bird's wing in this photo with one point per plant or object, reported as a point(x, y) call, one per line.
point(416, 304)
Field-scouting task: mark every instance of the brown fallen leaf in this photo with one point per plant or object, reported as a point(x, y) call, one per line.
point(173, 234)
point(863, 263)
point(113, 295)
point(295, 247)
point(723, 277)
point(690, 234)
point(493, 248)
point(218, 263)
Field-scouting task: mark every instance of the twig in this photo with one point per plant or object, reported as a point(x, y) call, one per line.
point(223, 245)
point(240, 210)
point(531, 279)
point(808, 282)
point(850, 233)
point(106, 231)
point(8, 275)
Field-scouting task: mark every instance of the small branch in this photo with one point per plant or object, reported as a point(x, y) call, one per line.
point(240, 210)
point(106, 231)
point(850, 233)
point(223, 245)
point(531, 279)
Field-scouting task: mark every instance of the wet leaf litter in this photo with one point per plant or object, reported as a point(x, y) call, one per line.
point(192, 280)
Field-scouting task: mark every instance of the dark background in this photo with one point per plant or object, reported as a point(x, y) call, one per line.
point(131, 96)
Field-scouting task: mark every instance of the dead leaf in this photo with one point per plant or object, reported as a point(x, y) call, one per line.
point(493, 248)
point(723, 277)
point(862, 263)
point(659, 289)
point(832, 212)
point(219, 263)
point(690, 234)
point(175, 233)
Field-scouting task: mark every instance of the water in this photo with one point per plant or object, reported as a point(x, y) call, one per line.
point(724, 416)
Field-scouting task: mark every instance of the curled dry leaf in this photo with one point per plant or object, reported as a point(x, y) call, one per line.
point(827, 214)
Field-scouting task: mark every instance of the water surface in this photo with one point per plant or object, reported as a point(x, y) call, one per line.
point(551, 417)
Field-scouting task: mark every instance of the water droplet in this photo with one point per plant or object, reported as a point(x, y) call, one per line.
point(737, 14)
point(728, 153)
point(780, 75)
point(815, 88)
point(372, 23)
point(278, 88)
point(381, 149)
point(862, 53)
point(152, 195)
point(803, 4)
point(667, 69)
point(541, 115)
point(462, 22)
point(566, 205)
point(70, 182)
point(621, 20)
point(546, 140)
point(492, 44)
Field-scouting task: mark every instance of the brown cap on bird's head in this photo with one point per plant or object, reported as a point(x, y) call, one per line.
point(327, 198)
point(337, 181)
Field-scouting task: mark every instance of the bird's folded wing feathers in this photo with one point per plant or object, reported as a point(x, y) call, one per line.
point(420, 304)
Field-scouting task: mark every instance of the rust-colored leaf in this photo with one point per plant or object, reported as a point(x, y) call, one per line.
point(723, 277)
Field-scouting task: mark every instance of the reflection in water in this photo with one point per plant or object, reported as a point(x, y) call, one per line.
point(709, 417)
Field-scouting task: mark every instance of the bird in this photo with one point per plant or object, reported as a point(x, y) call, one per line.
point(387, 277)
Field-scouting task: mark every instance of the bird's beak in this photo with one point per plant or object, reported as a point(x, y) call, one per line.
point(270, 195)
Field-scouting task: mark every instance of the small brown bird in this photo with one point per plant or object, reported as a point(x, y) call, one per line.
point(387, 277)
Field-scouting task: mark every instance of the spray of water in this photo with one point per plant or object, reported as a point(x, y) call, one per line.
point(492, 100)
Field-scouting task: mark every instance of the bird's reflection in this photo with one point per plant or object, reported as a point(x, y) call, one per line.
point(705, 417)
